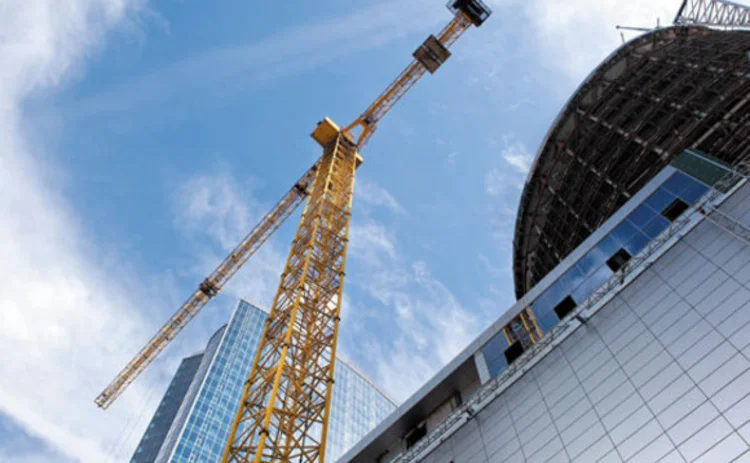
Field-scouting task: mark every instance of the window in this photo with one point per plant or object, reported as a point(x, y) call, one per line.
point(513, 352)
point(415, 435)
point(674, 209)
point(565, 307)
point(617, 261)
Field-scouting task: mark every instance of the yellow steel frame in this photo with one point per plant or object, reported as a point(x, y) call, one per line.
point(283, 414)
point(523, 328)
point(209, 288)
point(367, 122)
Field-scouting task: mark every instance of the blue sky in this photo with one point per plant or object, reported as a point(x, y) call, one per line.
point(141, 140)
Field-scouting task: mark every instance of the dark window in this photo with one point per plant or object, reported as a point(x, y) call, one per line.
point(415, 435)
point(674, 209)
point(659, 199)
point(513, 352)
point(565, 307)
point(617, 261)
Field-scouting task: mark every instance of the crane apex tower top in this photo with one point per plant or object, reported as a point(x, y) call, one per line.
point(325, 131)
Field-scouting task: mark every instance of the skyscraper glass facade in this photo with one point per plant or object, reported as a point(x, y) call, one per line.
point(187, 404)
point(207, 429)
point(201, 428)
point(357, 406)
point(156, 433)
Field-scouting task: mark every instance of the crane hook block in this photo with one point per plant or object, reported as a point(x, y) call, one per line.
point(431, 54)
point(475, 10)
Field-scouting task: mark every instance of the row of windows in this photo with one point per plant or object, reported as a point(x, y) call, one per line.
point(628, 238)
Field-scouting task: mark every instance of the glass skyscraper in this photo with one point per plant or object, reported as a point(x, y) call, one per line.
point(156, 433)
point(192, 422)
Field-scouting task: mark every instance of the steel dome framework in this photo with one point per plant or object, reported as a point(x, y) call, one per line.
point(668, 90)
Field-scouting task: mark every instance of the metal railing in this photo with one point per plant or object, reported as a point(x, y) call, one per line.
point(631, 270)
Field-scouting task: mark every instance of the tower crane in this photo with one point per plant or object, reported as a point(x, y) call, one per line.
point(284, 411)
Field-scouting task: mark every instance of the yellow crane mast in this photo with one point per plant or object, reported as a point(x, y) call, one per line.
point(283, 414)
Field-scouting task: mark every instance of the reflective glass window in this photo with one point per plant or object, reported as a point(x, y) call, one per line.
point(677, 183)
point(659, 199)
point(597, 256)
point(496, 366)
point(569, 280)
point(656, 226)
point(547, 321)
point(638, 242)
point(642, 215)
point(623, 232)
point(495, 347)
point(592, 282)
point(693, 192)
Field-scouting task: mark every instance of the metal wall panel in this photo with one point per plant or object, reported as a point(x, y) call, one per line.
point(661, 373)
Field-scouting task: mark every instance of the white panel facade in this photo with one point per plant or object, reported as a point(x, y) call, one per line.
point(660, 373)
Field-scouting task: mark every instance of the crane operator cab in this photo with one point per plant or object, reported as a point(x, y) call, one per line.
point(475, 10)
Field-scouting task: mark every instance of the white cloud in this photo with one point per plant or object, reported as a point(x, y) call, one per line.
point(369, 241)
point(69, 318)
point(216, 212)
point(576, 35)
point(406, 323)
point(518, 156)
point(370, 194)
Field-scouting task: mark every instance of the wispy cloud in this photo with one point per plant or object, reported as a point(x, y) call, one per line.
point(214, 212)
point(212, 75)
point(72, 318)
point(419, 326)
point(518, 156)
point(404, 324)
point(369, 194)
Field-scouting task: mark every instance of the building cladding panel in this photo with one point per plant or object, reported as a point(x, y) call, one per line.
point(659, 367)
point(201, 427)
point(661, 93)
point(662, 371)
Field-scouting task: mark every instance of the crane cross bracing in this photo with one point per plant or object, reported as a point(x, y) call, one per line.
point(715, 13)
point(283, 414)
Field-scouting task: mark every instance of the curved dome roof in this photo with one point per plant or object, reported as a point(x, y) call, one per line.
point(665, 91)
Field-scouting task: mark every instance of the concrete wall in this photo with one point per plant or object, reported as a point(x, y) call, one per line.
point(661, 373)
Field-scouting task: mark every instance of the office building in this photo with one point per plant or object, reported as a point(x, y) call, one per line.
point(192, 422)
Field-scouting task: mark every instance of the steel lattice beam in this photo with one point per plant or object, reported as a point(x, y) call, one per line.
point(675, 88)
point(717, 13)
point(283, 414)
